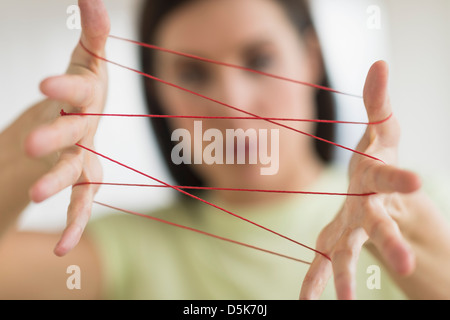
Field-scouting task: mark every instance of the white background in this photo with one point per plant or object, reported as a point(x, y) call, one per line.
point(413, 38)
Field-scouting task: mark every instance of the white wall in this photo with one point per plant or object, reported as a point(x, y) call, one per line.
point(413, 39)
point(420, 81)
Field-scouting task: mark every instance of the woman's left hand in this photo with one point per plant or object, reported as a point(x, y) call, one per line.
point(371, 218)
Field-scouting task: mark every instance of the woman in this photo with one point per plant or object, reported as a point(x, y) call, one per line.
point(128, 257)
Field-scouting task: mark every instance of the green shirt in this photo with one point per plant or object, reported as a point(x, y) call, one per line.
point(145, 259)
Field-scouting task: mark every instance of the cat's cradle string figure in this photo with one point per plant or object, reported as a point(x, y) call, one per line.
point(231, 232)
point(250, 116)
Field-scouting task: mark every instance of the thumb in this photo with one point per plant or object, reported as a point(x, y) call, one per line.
point(378, 106)
point(95, 24)
point(95, 31)
point(375, 94)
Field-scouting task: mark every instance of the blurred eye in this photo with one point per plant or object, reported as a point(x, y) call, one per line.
point(193, 74)
point(259, 61)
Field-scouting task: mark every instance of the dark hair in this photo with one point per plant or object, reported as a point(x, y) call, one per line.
point(153, 12)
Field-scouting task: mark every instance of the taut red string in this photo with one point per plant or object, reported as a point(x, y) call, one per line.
point(202, 200)
point(233, 107)
point(227, 189)
point(202, 232)
point(63, 113)
point(230, 65)
point(249, 116)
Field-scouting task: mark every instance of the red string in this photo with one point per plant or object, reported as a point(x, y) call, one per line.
point(227, 189)
point(150, 46)
point(202, 200)
point(230, 106)
point(202, 232)
point(250, 116)
point(63, 113)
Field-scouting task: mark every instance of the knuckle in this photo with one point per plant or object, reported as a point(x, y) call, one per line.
point(377, 226)
point(384, 232)
point(343, 253)
point(369, 206)
point(72, 167)
point(325, 239)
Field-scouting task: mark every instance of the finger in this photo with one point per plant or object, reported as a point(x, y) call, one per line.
point(95, 24)
point(384, 233)
point(345, 257)
point(73, 89)
point(62, 133)
point(375, 92)
point(65, 173)
point(378, 106)
point(78, 215)
point(95, 30)
point(389, 179)
point(316, 278)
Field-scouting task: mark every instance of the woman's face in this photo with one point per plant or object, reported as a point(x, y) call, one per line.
point(252, 33)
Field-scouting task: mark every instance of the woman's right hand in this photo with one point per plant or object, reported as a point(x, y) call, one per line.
point(51, 138)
